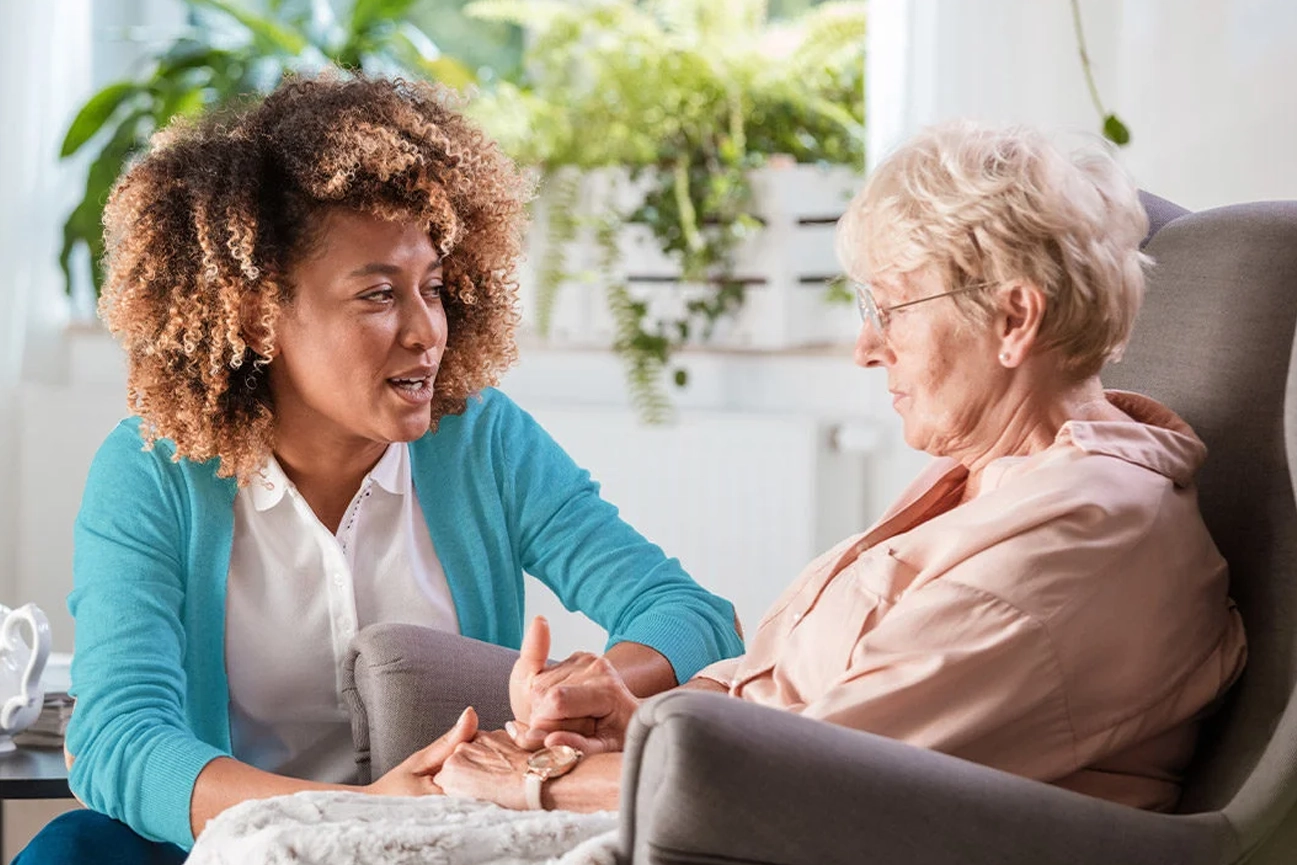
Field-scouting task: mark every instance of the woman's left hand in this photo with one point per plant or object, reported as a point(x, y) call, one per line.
point(489, 768)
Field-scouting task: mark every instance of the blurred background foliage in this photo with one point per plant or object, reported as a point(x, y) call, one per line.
point(228, 50)
point(232, 48)
point(689, 97)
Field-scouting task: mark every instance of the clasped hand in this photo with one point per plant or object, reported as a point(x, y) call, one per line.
point(581, 702)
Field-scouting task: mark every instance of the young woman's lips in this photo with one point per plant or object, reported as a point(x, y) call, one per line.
point(414, 390)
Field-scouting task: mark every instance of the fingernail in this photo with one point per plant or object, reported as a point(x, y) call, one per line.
point(463, 716)
point(511, 728)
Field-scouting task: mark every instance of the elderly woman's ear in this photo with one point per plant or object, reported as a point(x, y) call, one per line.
point(1021, 310)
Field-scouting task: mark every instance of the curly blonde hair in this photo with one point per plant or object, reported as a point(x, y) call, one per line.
point(208, 224)
point(993, 205)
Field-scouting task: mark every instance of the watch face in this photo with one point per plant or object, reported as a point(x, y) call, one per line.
point(553, 761)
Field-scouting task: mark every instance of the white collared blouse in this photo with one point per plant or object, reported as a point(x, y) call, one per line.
point(296, 595)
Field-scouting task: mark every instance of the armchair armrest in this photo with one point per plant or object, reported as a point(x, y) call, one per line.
point(405, 685)
point(709, 779)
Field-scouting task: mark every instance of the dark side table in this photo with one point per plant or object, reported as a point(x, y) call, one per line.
point(32, 773)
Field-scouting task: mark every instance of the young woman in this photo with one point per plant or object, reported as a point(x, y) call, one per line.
point(315, 295)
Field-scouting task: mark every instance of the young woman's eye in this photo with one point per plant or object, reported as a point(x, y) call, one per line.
point(380, 295)
point(432, 290)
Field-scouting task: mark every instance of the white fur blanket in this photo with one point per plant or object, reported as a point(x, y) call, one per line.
point(318, 828)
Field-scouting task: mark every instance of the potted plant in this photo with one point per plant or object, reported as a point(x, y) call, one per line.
point(657, 126)
point(234, 52)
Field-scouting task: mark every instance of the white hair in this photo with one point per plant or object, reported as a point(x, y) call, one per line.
point(981, 204)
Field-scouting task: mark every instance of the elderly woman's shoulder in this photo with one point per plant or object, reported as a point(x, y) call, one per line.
point(1126, 492)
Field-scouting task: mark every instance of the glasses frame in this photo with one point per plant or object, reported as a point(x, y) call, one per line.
point(880, 316)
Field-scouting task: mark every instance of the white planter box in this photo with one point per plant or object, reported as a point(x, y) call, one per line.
point(784, 265)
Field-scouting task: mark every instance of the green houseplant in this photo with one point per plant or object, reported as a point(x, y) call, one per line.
point(691, 96)
point(234, 52)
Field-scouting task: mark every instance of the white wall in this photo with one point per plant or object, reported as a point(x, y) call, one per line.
point(1206, 86)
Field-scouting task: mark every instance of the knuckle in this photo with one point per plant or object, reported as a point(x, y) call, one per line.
point(562, 699)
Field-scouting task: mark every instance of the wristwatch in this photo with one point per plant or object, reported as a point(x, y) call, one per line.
point(545, 764)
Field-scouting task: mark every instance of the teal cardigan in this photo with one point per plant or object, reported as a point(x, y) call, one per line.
point(152, 550)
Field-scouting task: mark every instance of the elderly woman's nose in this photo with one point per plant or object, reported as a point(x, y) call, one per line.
point(870, 346)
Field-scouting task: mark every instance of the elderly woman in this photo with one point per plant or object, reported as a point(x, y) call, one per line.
point(315, 295)
point(1045, 598)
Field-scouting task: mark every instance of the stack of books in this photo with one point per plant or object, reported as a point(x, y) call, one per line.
point(48, 729)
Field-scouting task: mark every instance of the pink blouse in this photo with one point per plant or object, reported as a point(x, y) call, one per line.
point(1070, 624)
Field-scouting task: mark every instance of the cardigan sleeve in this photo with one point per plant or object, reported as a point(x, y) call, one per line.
point(575, 542)
point(136, 758)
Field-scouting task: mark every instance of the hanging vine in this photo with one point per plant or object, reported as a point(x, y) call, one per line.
point(1113, 129)
point(645, 354)
point(561, 226)
point(691, 96)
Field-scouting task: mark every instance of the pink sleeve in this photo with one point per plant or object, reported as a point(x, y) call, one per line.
point(721, 672)
point(956, 669)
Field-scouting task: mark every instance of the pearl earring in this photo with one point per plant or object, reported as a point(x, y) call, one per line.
point(1004, 357)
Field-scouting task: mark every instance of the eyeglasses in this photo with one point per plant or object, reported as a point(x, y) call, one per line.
point(880, 316)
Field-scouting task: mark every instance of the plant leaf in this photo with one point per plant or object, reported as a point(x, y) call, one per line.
point(94, 114)
point(184, 56)
point(185, 101)
point(366, 14)
point(523, 13)
point(85, 223)
point(1114, 130)
point(415, 51)
point(268, 32)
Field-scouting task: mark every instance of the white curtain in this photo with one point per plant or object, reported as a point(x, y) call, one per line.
point(44, 75)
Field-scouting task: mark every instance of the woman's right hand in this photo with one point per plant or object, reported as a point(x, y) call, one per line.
point(582, 701)
point(414, 776)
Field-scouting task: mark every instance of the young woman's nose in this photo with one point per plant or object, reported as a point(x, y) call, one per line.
point(423, 325)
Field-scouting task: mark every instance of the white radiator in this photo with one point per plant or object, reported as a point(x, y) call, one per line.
point(744, 500)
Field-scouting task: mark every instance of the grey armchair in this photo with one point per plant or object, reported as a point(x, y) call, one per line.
point(714, 780)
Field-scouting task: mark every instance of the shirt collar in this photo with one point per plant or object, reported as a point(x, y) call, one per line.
point(1159, 440)
point(392, 473)
point(269, 485)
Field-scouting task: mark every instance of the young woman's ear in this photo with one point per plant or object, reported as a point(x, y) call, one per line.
point(252, 322)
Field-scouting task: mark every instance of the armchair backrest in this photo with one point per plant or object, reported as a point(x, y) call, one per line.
point(1215, 342)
